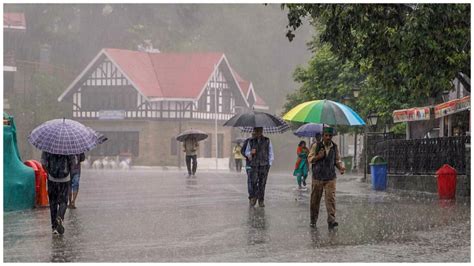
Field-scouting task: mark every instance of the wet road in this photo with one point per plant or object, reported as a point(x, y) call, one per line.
point(163, 216)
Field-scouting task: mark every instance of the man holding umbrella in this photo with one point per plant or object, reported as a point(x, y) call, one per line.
point(190, 146)
point(190, 140)
point(325, 158)
point(259, 150)
point(325, 155)
point(59, 139)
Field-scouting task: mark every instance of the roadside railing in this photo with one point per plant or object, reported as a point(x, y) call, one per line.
point(423, 156)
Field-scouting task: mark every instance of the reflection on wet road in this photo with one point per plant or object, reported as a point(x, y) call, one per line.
point(164, 216)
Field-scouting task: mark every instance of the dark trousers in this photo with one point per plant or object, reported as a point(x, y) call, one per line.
point(57, 194)
point(258, 180)
point(188, 163)
point(238, 165)
point(251, 190)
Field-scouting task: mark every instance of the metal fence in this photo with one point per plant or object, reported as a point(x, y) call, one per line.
point(423, 156)
point(373, 139)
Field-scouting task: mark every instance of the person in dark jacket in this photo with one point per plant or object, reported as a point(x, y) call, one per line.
point(259, 151)
point(325, 159)
point(75, 173)
point(58, 189)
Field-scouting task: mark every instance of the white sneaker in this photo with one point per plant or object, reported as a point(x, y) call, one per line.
point(55, 232)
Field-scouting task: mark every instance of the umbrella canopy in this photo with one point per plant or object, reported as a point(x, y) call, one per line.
point(270, 130)
point(101, 138)
point(324, 112)
point(64, 136)
point(255, 119)
point(309, 130)
point(192, 133)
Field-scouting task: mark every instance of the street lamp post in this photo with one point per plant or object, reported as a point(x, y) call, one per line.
point(372, 121)
point(356, 92)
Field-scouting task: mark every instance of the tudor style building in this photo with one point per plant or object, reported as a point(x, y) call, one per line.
point(141, 100)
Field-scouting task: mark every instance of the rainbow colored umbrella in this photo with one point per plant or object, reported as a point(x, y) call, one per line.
point(324, 112)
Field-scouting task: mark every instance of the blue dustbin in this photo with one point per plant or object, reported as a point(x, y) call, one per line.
point(378, 170)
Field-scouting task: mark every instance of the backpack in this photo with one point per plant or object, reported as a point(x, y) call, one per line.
point(57, 165)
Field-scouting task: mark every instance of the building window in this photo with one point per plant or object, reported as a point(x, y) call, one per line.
point(220, 145)
point(108, 98)
point(174, 146)
point(118, 143)
point(8, 81)
point(206, 147)
point(227, 101)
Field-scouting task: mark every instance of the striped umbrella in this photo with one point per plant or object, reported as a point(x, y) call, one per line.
point(324, 112)
point(277, 129)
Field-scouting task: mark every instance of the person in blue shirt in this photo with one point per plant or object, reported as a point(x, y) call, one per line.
point(259, 151)
point(75, 173)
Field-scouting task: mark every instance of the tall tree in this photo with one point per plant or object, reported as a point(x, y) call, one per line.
point(407, 52)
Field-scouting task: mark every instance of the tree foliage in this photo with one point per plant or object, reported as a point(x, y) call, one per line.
point(406, 53)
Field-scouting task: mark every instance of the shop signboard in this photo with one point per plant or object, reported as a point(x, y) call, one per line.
point(412, 114)
point(111, 114)
point(453, 106)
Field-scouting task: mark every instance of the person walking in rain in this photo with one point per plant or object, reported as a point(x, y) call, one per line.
point(248, 168)
point(301, 166)
point(58, 167)
point(316, 140)
point(190, 147)
point(259, 150)
point(237, 151)
point(325, 158)
point(75, 167)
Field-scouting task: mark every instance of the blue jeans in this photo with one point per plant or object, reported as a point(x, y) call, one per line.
point(75, 182)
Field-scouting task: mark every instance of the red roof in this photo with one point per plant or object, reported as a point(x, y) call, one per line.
point(244, 85)
point(259, 101)
point(168, 75)
point(14, 20)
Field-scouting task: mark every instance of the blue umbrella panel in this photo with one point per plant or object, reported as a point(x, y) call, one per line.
point(309, 130)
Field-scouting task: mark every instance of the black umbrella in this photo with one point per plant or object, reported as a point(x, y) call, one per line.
point(192, 133)
point(270, 130)
point(254, 119)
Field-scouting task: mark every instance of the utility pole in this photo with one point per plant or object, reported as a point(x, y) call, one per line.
point(215, 113)
point(365, 153)
point(355, 151)
point(179, 129)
